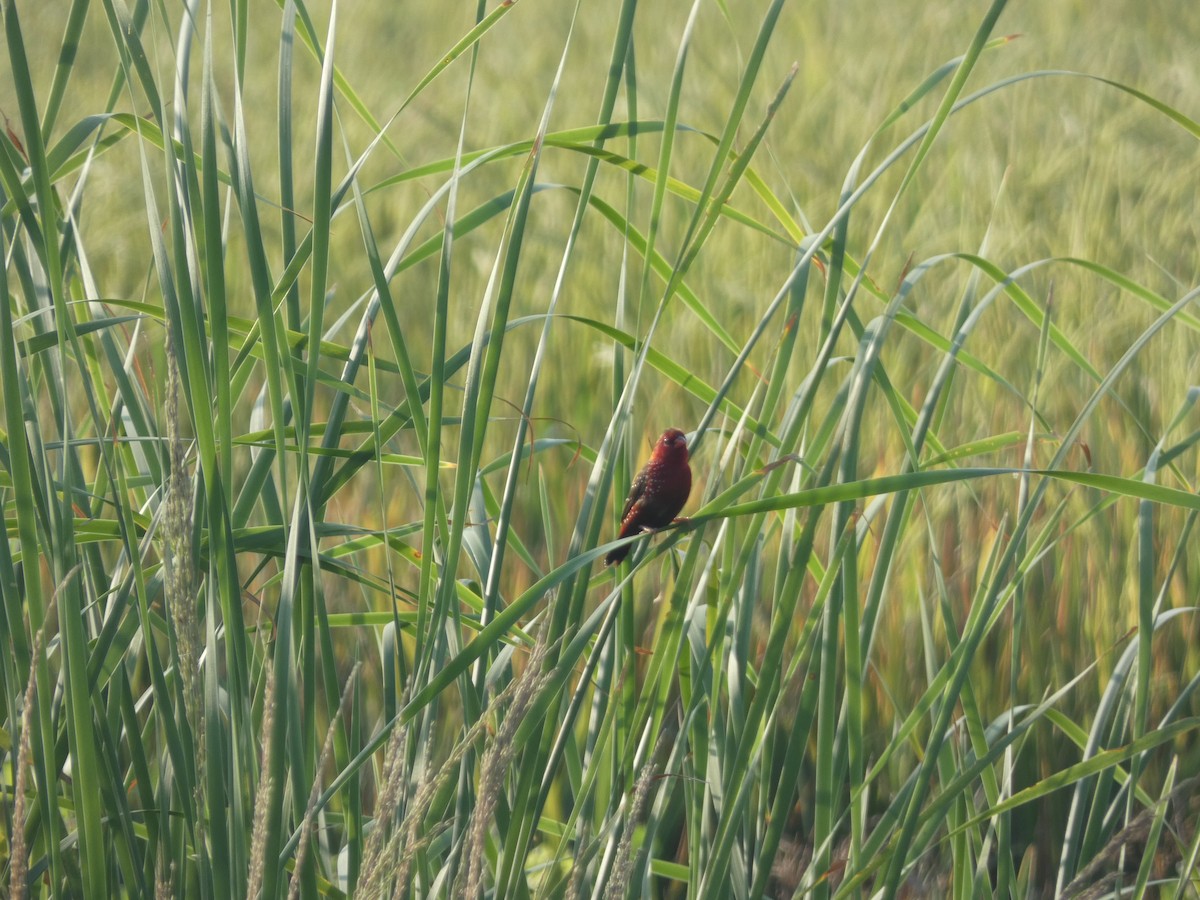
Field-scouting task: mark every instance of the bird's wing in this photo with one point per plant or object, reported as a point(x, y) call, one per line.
point(635, 492)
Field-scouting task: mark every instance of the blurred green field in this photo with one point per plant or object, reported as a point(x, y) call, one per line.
point(806, 677)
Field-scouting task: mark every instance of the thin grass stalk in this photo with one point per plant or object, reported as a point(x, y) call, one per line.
point(853, 709)
point(372, 878)
point(306, 826)
point(287, 194)
point(1149, 850)
point(259, 859)
point(229, 861)
point(66, 64)
point(705, 214)
point(276, 361)
point(302, 747)
point(180, 599)
point(496, 761)
point(665, 154)
point(19, 851)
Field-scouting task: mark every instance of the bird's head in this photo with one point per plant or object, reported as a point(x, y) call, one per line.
point(672, 445)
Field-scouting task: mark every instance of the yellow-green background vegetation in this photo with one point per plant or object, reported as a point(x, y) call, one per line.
point(731, 663)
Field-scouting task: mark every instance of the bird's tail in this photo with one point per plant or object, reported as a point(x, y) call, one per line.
point(615, 556)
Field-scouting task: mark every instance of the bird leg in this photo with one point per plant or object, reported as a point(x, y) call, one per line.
point(681, 520)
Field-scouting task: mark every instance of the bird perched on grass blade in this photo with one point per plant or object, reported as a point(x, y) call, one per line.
point(658, 492)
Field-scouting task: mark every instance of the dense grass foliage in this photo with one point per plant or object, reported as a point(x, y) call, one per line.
point(331, 336)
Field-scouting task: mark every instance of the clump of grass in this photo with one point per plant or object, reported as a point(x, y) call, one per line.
point(913, 472)
point(390, 855)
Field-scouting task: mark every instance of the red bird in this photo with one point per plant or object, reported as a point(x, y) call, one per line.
point(658, 492)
